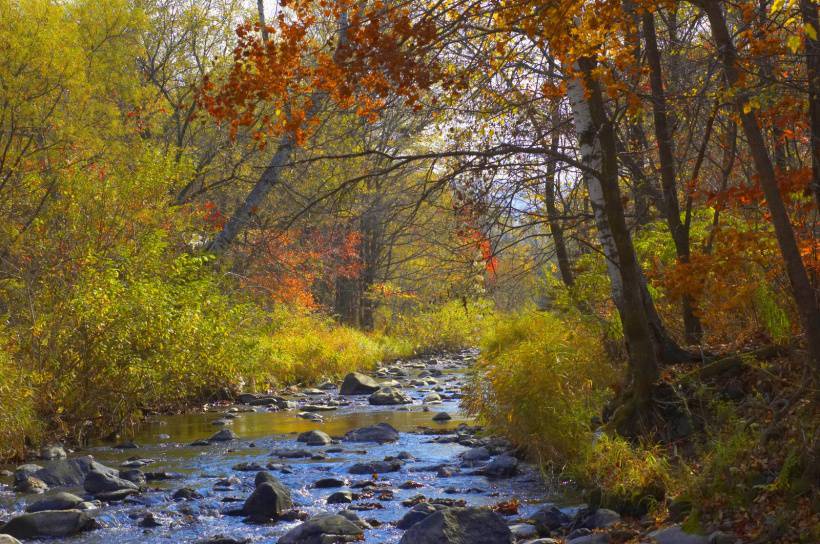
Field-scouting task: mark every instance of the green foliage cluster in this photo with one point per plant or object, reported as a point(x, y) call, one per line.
point(540, 381)
point(449, 326)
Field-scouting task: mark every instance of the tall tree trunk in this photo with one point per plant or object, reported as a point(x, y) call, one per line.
point(599, 152)
point(666, 153)
point(801, 287)
point(556, 228)
point(666, 346)
point(808, 9)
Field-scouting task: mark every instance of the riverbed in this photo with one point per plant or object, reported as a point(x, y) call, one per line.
point(222, 474)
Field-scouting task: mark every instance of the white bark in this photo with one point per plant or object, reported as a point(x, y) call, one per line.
point(591, 158)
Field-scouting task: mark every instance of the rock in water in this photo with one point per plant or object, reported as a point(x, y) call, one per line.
point(459, 526)
point(52, 452)
point(503, 466)
point(268, 501)
point(314, 438)
point(381, 433)
point(387, 396)
point(324, 528)
point(57, 501)
point(100, 482)
point(48, 523)
point(225, 435)
point(8, 539)
point(418, 513)
point(375, 467)
point(356, 383)
point(71, 472)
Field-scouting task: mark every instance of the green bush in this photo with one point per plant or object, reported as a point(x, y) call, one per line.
point(444, 327)
point(134, 338)
point(307, 347)
point(540, 380)
point(18, 419)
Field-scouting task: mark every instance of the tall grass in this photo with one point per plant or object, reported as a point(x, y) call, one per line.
point(540, 380)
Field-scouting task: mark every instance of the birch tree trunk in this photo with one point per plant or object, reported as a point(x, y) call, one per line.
point(665, 345)
point(598, 151)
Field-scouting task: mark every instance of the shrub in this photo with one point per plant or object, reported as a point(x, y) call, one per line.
point(631, 479)
point(307, 347)
point(540, 380)
point(18, 419)
point(445, 327)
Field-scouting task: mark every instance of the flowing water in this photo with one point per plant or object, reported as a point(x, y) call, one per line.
point(167, 441)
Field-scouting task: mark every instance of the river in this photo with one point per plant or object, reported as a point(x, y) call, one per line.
point(214, 470)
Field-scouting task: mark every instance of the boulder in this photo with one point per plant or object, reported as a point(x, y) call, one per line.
point(418, 513)
point(134, 475)
point(432, 398)
point(503, 466)
point(601, 519)
point(676, 535)
point(225, 435)
point(387, 396)
point(381, 433)
point(52, 452)
point(375, 467)
point(326, 483)
point(71, 472)
point(268, 500)
point(57, 501)
point(549, 519)
point(356, 383)
point(597, 538)
point(314, 438)
point(523, 531)
point(324, 528)
point(341, 497)
point(442, 416)
point(103, 482)
point(459, 526)
point(48, 523)
point(474, 455)
point(24, 483)
point(8, 539)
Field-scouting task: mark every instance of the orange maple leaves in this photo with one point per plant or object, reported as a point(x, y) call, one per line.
point(356, 57)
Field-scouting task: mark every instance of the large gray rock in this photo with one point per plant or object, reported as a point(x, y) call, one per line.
point(356, 383)
point(549, 519)
point(601, 519)
point(8, 539)
point(324, 528)
point(381, 433)
point(102, 482)
point(52, 452)
point(387, 396)
point(225, 435)
point(459, 526)
point(418, 513)
point(48, 523)
point(314, 438)
point(676, 535)
point(57, 501)
point(375, 467)
point(70, 472)
point(268, 501)
point(596, 538)
point(503, 466)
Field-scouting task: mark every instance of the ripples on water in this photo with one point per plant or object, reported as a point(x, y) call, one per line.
point(262, 431)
